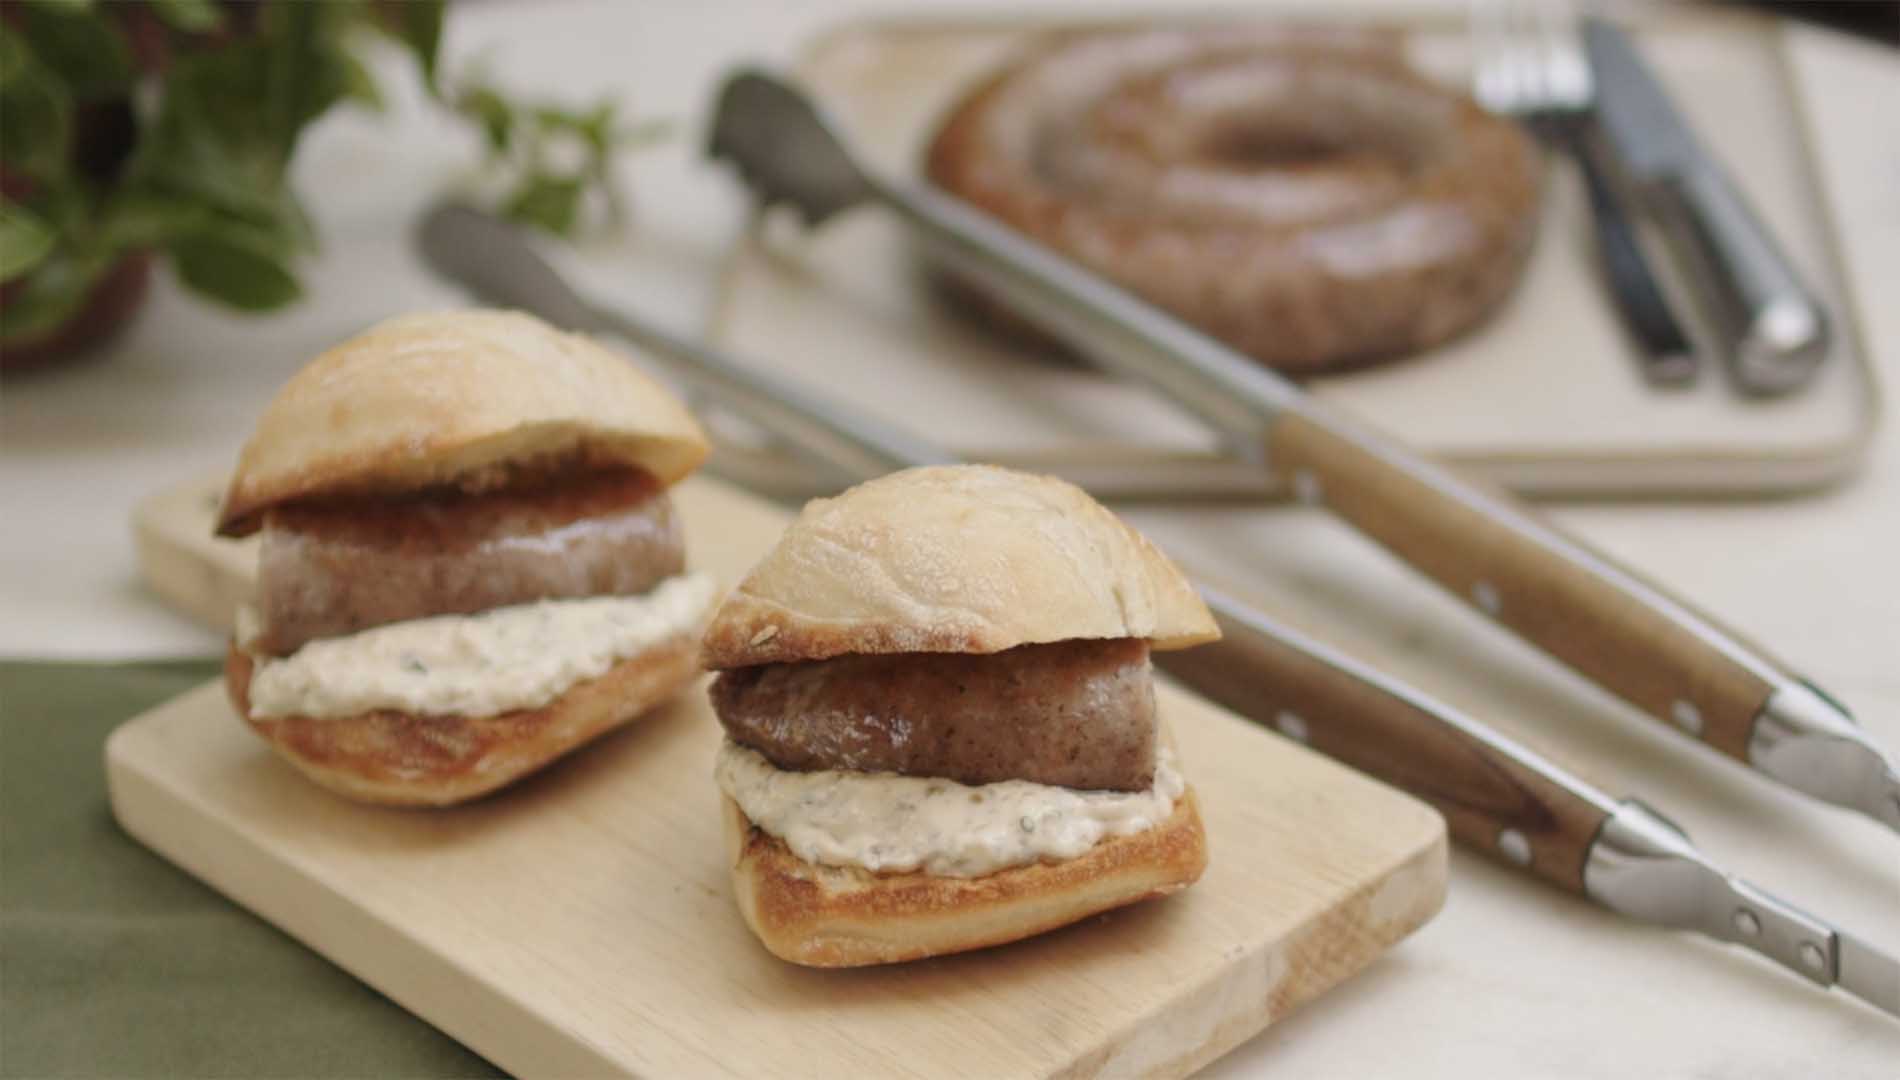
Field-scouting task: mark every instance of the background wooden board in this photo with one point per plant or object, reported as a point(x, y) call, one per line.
point(581, 923)
point(1544, 398)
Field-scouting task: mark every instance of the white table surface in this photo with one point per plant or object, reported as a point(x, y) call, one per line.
point(1512, 979)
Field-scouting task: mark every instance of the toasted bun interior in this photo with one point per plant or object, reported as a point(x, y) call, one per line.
point(400, 759)
point(961, 558)
point(830, 916)
point(451, 398)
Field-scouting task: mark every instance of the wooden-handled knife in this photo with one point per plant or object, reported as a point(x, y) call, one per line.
point(1770, 321)
point(1487, 548)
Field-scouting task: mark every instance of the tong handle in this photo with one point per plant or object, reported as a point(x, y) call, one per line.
point(1621, 632)
point(1498, 797)
point(1625, 634)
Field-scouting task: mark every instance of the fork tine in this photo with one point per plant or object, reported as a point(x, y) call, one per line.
point(1522, 19)
point(1567, 76)
point(1492, 80)
point(1510, 68)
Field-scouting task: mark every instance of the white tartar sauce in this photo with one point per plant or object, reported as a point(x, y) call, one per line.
point(517, 657)
point(892, 823)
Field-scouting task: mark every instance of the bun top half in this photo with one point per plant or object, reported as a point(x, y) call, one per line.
point(957, 558)
point(454, 397)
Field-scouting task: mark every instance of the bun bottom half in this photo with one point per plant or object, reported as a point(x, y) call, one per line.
point(392, 758)
point(833, 916)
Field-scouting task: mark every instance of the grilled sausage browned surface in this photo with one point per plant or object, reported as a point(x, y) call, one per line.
point(342, 567)
point(1303, 194)
point(1080, 714)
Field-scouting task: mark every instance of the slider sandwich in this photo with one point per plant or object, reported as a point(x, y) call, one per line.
point(940, 719)
point(469, 562)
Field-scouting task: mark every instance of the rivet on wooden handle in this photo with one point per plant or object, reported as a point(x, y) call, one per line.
point(1492, 803)
point(1618, 639)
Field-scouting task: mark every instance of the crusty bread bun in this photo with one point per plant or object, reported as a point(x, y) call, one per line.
point(455, 397)
point(399, 759)
point(486, 416)
point(963, 558)
point(832, 916)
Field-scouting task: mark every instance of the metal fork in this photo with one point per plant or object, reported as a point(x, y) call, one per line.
point(1530, 64)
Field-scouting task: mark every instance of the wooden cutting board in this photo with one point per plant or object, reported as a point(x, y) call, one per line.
point(581, 924)
point(1544, 398)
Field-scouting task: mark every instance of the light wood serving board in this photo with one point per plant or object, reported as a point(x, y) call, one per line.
point(1544, 398)
point(581, 924)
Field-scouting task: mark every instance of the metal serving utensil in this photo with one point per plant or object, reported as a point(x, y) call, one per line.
point(1530, 65)
point(1498, 797)
point(486, 255)
point(1626, 634)
point(1771, 321)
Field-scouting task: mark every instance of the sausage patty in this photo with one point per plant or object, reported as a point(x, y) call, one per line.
point(341, 567)
point(1080, 714)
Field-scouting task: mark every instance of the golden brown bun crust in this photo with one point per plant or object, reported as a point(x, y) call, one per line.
point(830, 916)
point(400, 759)
point(434, 399)
point(954, 558)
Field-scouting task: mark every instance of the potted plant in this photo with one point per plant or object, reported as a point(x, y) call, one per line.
point(164, 129)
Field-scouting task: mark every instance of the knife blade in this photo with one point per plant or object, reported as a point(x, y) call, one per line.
point(1773, 329)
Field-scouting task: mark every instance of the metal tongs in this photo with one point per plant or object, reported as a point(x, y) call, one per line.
point(1623, 633)
point(1498, 797)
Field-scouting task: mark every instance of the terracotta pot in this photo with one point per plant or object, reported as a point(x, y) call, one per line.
point(107, 310)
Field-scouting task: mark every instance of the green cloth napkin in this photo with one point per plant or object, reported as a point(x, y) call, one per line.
point(113, 962)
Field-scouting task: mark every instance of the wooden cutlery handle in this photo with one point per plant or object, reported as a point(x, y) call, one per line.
point(1623, 633)
point(1497, 797)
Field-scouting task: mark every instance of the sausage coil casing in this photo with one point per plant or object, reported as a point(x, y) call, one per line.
point(1302, 194)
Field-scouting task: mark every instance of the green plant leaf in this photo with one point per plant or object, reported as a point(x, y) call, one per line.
point(549, 202)
point(25, 240)
point(65, 5)
point(49, 295)
point(359, 84)
point(225, 129)
point(493, 114)
point(35, 114)
point(191, 16)
point(304, 73)
point(639, 134)
point(141, 219)
point(235, 266)
point(186, 158)
point(421, 30)
point(15, 59)
point(84, 50)
point(558, 118)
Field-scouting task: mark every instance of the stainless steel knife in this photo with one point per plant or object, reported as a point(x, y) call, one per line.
point(1771, 322)
point(1497, 796)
